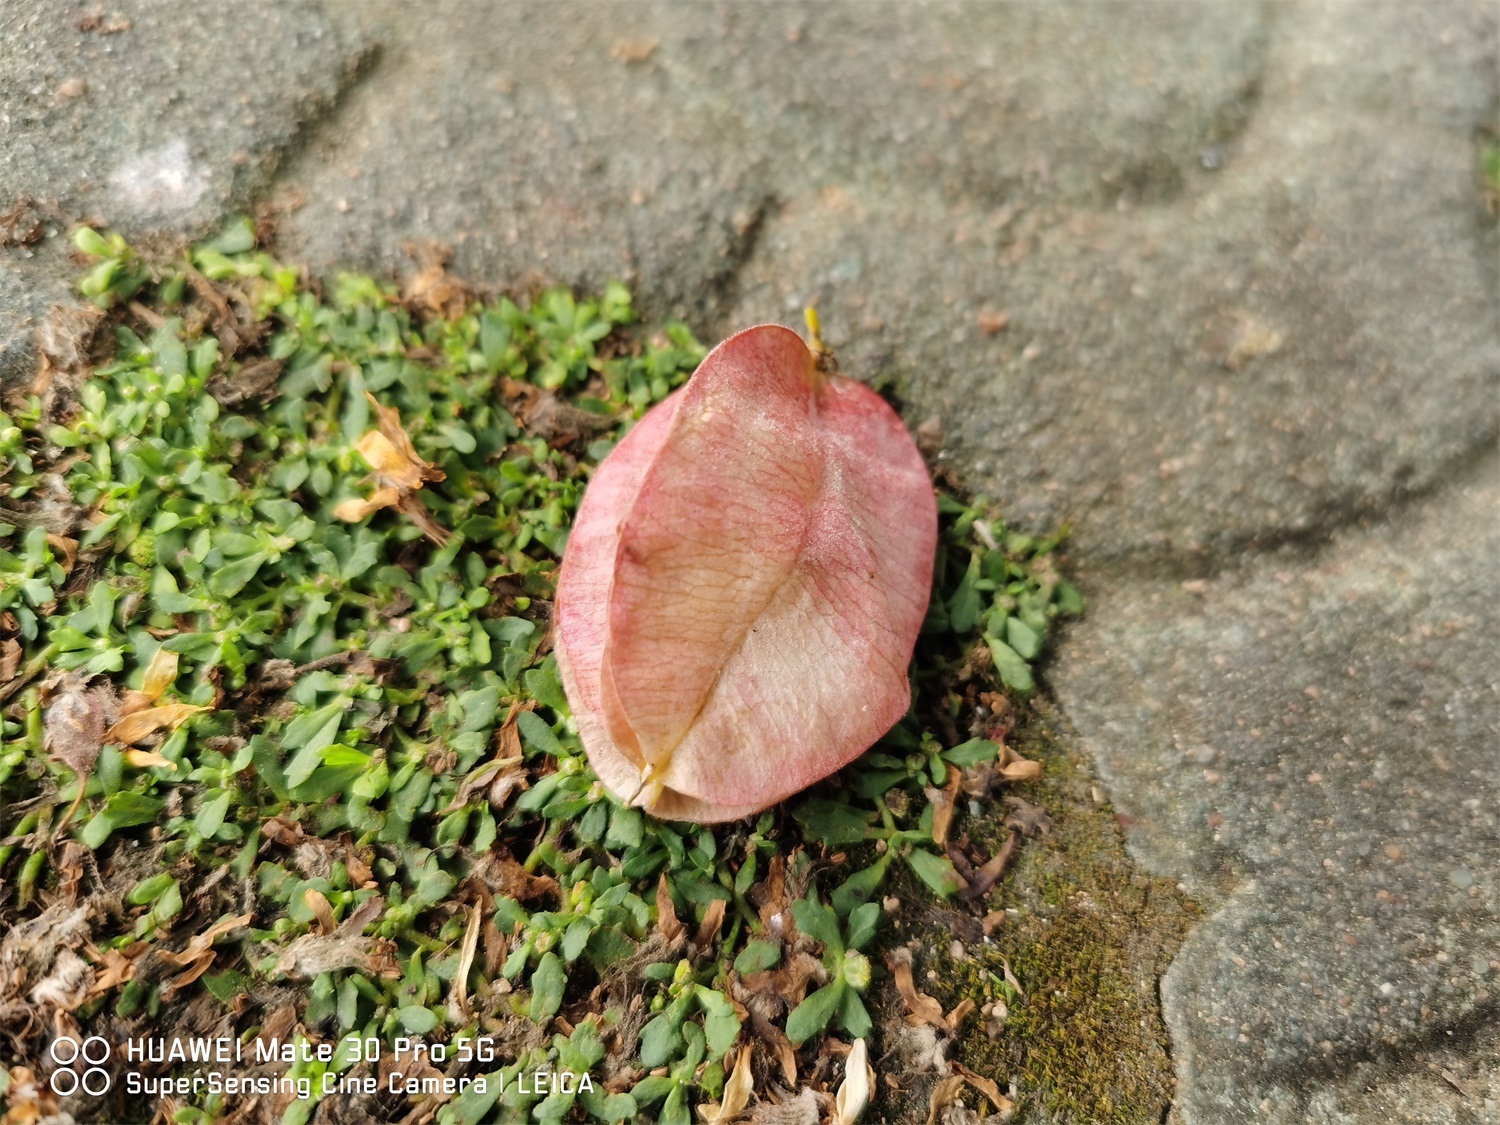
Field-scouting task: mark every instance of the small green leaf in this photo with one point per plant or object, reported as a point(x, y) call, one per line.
point(1023, 638)
point(834, 823)
point(721, 1027)
point(1069, 601)
point(537, 734)
point(626, 828)
point(232, 577)
point(812, 1015)
point(148, 890)
point(575, 938)
point(936, 871)
point(211, 816)
point(862, 923)
point(1014, 671)
point(662, 1036)
point(417, 1019)
point(818, 922)
point(965, 605)
point(758, 954)
point(653, 1089)
point(860, 887)
point(313, 732)
point(547, 983)
point(969, 754)
point(854, 1017)
point(90, 242)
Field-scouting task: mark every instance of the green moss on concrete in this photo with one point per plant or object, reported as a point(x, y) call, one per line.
point(1088, 935)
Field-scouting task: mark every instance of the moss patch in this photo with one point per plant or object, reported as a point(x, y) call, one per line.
point(1087, 936)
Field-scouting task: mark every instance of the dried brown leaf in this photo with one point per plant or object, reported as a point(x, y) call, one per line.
point(345, 948)
point(787, 1058)
point(633, 48)
point(985, 1086)
point(789, 982)
point(737, 1091)
point(1026, 818)
point(143, 724)
point(1021, 769)
point(991, 321)
point(201, 942)
point(1010, 978)
point(986, 877)
point(981, 780)
point(148, 760)
point(10, 659)
point(944, 1094)
point(432, 289)
point(66, 341)
point(281, 830)
point(501, 872)
point(360, 873)
point(194, 970)
point(502, 774)
point(801, 1110)
point(355, 509)
point(775, 905)
point(256, 380)
point(73, 725)
point(466, 957)
point(667, 922)
point(713, 919)
point(65, 550)
point(922, 1008)
point(161, 674)
point(494, 771)
point(66, 984)
point(400, 472)
point(227, 327)
point(131, 702)
point(70, 864)
point(956, 1017)
point(388, 461)
point(317, 902)
point(114, 967)
point(557, 421)
point(942, 801)
point(28, 1100)
point(410, 505)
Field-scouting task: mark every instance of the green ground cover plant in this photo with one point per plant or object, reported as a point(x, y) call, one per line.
point(284, 749)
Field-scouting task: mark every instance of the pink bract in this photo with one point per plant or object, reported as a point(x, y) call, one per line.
point(744, 584)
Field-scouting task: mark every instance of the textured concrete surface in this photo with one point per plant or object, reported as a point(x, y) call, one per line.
point(151, 115)
point(1215, 283)
point(1313, 745)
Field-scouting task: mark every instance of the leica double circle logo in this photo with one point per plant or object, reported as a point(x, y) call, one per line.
point(80, 1066)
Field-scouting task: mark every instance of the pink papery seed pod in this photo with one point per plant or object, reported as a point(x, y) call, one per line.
point(744, 584)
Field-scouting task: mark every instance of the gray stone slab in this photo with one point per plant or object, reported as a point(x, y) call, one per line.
point(1316, 746)
point(150, 116)
point(32, 280)
point(1289, 342)
point(656, 142)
